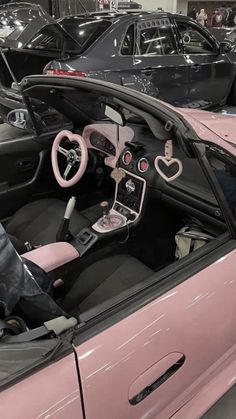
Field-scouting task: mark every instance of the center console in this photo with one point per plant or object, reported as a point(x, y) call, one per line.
point(52, 256)
point(126, 209)
point(128, 203)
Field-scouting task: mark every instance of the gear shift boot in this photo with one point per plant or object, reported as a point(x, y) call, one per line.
point(111, 222)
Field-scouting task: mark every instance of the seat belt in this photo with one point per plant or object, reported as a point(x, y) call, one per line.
point(56, 326)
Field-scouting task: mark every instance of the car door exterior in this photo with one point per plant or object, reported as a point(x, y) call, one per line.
point(157, 60)
point(149, 60)
point(151, 363)
point(156, 360)
point(210, 71)
point(52, 392)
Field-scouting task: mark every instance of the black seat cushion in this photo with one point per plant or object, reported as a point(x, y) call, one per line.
point(103, 280)
point(39, 221)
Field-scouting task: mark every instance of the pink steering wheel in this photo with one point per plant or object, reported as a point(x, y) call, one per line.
point(71, 156)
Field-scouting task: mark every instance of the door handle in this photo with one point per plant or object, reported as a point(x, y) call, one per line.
point(147, 71)
point(196, 67)
point(25, 164)
point(155, 376)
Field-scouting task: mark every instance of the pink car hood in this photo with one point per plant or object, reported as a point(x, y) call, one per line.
point(209, 124)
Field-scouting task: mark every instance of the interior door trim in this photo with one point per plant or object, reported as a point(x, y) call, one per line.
point(29, 182)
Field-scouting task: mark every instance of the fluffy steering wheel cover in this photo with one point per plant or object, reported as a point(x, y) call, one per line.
point(83, 163)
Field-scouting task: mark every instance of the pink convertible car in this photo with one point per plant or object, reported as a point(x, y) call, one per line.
point(118, 254)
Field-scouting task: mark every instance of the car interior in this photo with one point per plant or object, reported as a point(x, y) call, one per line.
point(114, 190)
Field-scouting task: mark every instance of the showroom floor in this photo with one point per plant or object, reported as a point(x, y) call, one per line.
point(224, 408)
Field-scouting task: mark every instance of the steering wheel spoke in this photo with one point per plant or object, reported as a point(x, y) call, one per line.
point(67, 171)
point(63, 151)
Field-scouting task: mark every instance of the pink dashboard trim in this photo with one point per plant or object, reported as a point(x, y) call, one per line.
point(126, 134)
point(52, 256)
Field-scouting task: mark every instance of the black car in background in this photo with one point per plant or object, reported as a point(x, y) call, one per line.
point(163, 55)
point(225, 34)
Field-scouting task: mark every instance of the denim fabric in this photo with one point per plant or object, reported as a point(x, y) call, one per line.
point(24, 284)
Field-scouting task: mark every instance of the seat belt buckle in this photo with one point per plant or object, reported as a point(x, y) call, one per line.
point(28, 246)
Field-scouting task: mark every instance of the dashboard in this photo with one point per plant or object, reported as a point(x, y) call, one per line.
point(135, 152)
point(107, 139)
point(130, 193)
point(101, 143)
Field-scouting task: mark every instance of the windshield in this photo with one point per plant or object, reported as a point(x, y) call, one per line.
point(81, 35)
point(85, 31)
point(21, 21)
point(52, 38)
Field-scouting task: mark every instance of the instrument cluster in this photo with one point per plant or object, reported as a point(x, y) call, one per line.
point(101, 143)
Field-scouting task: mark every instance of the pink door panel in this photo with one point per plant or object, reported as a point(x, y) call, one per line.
point(220, 382)
point(155, 376)
point(51, 393)
point(197, 319)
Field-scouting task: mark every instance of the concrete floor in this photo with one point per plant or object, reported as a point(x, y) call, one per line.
point(225, 408)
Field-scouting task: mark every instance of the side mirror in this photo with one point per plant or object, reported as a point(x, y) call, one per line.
point(19, 118)
point(225, 47)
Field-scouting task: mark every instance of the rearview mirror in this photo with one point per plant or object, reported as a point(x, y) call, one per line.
point(114, 115)
point(19, 118)
point(225, 47)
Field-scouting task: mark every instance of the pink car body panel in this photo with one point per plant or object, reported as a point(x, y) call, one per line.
point(220, 125)
point(220, 382)
point(156, 370)
point(211, 127)
point(187, 320)
point(51, 393)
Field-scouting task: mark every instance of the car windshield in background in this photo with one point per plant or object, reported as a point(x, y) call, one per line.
point(81, 35)
point(231, 35)
point(52, 38)
point(85, 31)
point(48, 118)
point(89, 106)
point(224, 34)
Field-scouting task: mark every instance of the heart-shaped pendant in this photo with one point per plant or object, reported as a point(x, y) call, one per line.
point(117, 175)
point(168, 163)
